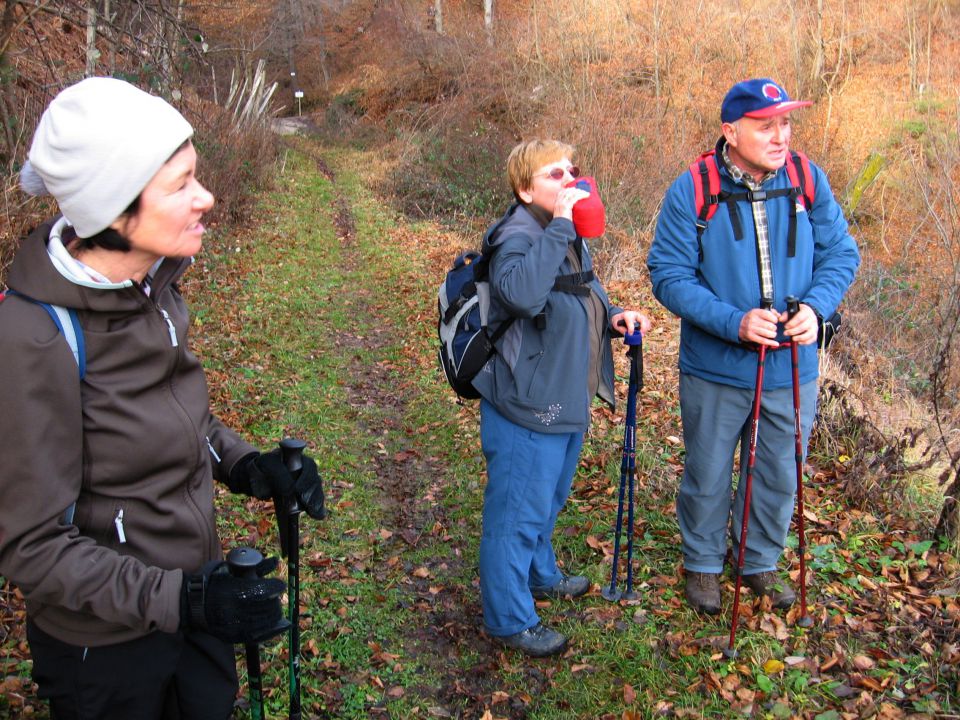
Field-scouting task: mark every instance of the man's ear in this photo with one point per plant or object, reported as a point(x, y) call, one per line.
point(525, 196)
point(730, 133)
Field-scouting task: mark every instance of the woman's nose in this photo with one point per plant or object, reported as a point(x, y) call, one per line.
point(204, 199)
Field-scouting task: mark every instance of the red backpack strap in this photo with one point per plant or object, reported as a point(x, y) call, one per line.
point(706, 185)
point(706, 191)
point(801, 178)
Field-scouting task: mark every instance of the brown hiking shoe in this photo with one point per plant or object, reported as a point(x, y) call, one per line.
point(703, 592)
point(772, 585)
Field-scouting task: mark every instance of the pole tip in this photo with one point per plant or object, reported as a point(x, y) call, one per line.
point(611, 594)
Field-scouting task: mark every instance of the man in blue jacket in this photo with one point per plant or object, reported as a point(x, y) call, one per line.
point(716, 278)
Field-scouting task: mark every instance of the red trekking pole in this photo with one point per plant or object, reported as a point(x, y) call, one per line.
point(730, 651)
point(804, 621)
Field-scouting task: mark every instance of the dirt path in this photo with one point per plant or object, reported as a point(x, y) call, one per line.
point(410, 484)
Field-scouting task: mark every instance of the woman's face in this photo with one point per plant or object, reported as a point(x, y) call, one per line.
point(167, 223)
point(543, 188)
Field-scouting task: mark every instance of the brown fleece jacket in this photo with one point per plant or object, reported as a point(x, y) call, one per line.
point(133, 443)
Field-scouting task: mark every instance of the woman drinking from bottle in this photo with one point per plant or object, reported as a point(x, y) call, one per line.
point(537, 389)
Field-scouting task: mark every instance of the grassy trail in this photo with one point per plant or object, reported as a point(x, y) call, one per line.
point(343, 308)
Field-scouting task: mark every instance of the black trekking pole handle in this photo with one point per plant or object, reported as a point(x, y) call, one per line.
point(243, 562)
point(292, 453)
point(793, 305)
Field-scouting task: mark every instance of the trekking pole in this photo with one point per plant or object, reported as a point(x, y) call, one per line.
point(243, 562)
point(804, 621)
point(634, 341)
point(730, 651)
point(292, 453)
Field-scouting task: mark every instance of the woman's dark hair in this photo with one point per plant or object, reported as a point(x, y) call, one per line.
point(110, 239)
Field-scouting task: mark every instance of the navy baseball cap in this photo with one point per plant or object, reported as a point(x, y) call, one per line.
point(757, 98)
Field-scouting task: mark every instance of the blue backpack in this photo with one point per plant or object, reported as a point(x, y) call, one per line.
point(463, 303)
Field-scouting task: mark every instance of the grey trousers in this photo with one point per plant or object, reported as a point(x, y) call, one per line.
point(717, 418)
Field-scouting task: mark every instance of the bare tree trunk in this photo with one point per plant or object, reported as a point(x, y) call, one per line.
point(949, 524)
point(92, 53)
point(656, 31)
point(438, 16)
point(108, 17)
point(293, 18)
point(488, 19)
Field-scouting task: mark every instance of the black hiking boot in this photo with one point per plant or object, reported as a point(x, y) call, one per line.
point(538, 641)
point(703, 592)
point(572, 585)
point(773, 586)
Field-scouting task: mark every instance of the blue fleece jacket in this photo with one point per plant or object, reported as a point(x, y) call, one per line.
point(712, 295)
point(538, 376)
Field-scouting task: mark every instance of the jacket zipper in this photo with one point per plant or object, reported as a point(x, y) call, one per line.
point(170, 328)
point(212, 451)
point(118, 523)
point(174, 342)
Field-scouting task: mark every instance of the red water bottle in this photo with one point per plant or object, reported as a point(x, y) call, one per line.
point(589, 217)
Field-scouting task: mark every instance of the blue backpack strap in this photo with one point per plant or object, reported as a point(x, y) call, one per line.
point(68, 323)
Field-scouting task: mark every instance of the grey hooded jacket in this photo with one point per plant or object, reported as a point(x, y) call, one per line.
point(538, 378)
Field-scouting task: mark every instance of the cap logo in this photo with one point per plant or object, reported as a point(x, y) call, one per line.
point(772, 92)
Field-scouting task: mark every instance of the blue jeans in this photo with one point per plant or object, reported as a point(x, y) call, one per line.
point(528, 480)
point(716, 419)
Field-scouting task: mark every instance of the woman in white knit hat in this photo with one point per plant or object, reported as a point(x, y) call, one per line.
point(109, 447)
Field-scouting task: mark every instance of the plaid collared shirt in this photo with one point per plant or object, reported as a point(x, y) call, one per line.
point(759, 222)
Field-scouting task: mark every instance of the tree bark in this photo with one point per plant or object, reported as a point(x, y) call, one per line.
point(438, 16)
point(91, 38)
point(948, 525)
point(488, 19)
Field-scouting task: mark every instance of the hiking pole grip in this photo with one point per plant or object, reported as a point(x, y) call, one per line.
point(242, 562)
point(291, 451)
point(793, 305)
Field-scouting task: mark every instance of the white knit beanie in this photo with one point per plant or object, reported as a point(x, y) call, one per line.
point(97, 146)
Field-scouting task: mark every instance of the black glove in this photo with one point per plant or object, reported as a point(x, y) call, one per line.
point(267, 477)
point(234, 609)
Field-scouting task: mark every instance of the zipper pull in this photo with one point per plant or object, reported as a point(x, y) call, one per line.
point(118, 523)
point(170, 328)
point(212, 451)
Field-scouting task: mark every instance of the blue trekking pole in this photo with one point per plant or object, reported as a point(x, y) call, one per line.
point(628, 465)
point(288, 518)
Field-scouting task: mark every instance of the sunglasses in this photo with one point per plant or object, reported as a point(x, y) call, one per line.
point(558, 173)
